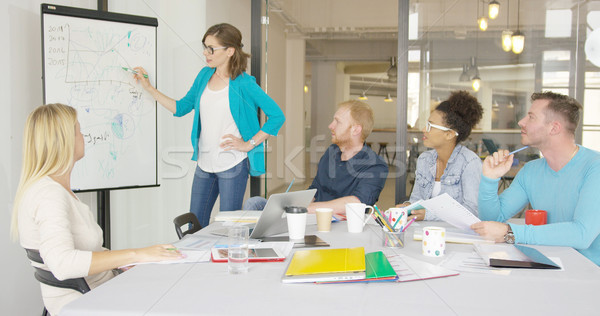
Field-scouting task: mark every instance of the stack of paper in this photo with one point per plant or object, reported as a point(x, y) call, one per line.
point(321, 265)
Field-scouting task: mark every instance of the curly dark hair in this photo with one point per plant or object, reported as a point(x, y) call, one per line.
point(461, 112)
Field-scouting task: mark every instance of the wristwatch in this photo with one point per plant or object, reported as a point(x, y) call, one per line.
point(252, 142)
point(509, 238)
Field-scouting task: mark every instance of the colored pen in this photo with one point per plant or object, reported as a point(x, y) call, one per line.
point(518, 150)
point(133, 71)
point(409, 223)
point(397, 221)
point(172, 249)
point(288, 189)
point(385, 222)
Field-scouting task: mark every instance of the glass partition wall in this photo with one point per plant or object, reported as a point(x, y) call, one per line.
point(530, 46)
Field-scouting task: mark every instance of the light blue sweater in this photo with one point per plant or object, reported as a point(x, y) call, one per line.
point(245, 98)
point(571, 197)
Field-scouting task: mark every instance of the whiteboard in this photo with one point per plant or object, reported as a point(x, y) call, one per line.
point(83, 55)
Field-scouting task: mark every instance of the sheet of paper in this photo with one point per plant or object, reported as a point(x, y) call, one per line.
point(411, 269)
point(192, 256)
point(199, 242)
point(470, 262)
point(450, 211)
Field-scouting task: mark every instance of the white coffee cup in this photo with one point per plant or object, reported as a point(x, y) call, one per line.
point(356, 217)
point(296, 220)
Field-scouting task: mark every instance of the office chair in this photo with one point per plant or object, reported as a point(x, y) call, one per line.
point(184, 219)
point(46, 277)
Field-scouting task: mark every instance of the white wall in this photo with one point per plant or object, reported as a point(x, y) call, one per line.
point(139, 217)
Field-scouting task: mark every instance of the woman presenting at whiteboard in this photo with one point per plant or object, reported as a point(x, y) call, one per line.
point(226, 136)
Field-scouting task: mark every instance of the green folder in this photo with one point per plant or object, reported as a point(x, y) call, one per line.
point(378, 266)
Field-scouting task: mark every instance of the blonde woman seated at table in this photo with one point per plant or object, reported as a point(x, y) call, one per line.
point(449, 167)
point(48, 216)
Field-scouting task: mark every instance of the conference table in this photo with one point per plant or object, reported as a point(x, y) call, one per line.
point(208, 289)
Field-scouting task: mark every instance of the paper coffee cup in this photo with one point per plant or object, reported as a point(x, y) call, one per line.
point(434, 241)
point(324, 216)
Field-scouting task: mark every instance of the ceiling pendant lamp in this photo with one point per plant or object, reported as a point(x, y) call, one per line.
point(493, 9)
point(388, 98)
point(507, 33)
point(518, 38)
point(482, 22)
point(363, 96)
point(476, 83)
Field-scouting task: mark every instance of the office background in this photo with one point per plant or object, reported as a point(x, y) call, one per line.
point(319, 54)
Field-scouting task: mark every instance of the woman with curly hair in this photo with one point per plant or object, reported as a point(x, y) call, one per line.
point(449, 167)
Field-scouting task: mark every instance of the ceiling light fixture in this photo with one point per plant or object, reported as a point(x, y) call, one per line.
point(518, 38)
point(493, 9)
point(392, 72)
point(482, 22)
point(476, 83)
point(363, 96)
point(507, 33)
point(388, 98)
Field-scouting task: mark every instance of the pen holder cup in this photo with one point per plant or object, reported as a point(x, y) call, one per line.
point(393, 239)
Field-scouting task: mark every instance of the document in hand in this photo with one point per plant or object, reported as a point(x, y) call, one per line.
point(378, 269)
point(513, 256)
point(320, 265)
point(450, 211)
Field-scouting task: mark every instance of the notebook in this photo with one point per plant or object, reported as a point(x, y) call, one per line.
point(320, 265)
point(513, 256)
point(378, 269)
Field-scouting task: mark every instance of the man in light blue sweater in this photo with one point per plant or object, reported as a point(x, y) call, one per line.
point(564, 183)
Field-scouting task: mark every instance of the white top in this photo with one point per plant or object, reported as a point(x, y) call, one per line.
point(65, 232)
point(437, 188)
point(216, 121)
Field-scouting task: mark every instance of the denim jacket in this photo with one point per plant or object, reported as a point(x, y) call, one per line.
point(460, 179)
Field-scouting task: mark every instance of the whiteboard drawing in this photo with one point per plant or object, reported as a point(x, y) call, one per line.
point(83, 60)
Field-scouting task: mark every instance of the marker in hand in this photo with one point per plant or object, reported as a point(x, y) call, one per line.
point(133, 71)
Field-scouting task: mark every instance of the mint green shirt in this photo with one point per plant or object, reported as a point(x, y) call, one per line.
point(571, 197)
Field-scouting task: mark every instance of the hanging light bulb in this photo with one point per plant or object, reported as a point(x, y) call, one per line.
point(518, 38)
point(507, 33)
point(483, 23)
point(476, 82)
point(363, 96)
point(388, 98)
point(518, 42)
point(493, 9)
point(507, 40)
point(305, 89)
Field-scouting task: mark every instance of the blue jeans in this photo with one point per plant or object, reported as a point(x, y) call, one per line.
point(255, 203)
point(231, 184)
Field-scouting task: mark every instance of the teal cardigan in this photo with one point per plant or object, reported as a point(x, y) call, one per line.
point(245, 97)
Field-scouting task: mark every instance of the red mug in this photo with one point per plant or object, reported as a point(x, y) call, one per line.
point(535, 217)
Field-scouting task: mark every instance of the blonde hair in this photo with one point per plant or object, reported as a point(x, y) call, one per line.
point(362, 114)
point(48, 148)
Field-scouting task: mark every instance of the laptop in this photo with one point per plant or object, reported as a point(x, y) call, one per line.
point(271, 221)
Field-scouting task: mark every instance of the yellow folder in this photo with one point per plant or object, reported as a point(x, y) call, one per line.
point(327, 261)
